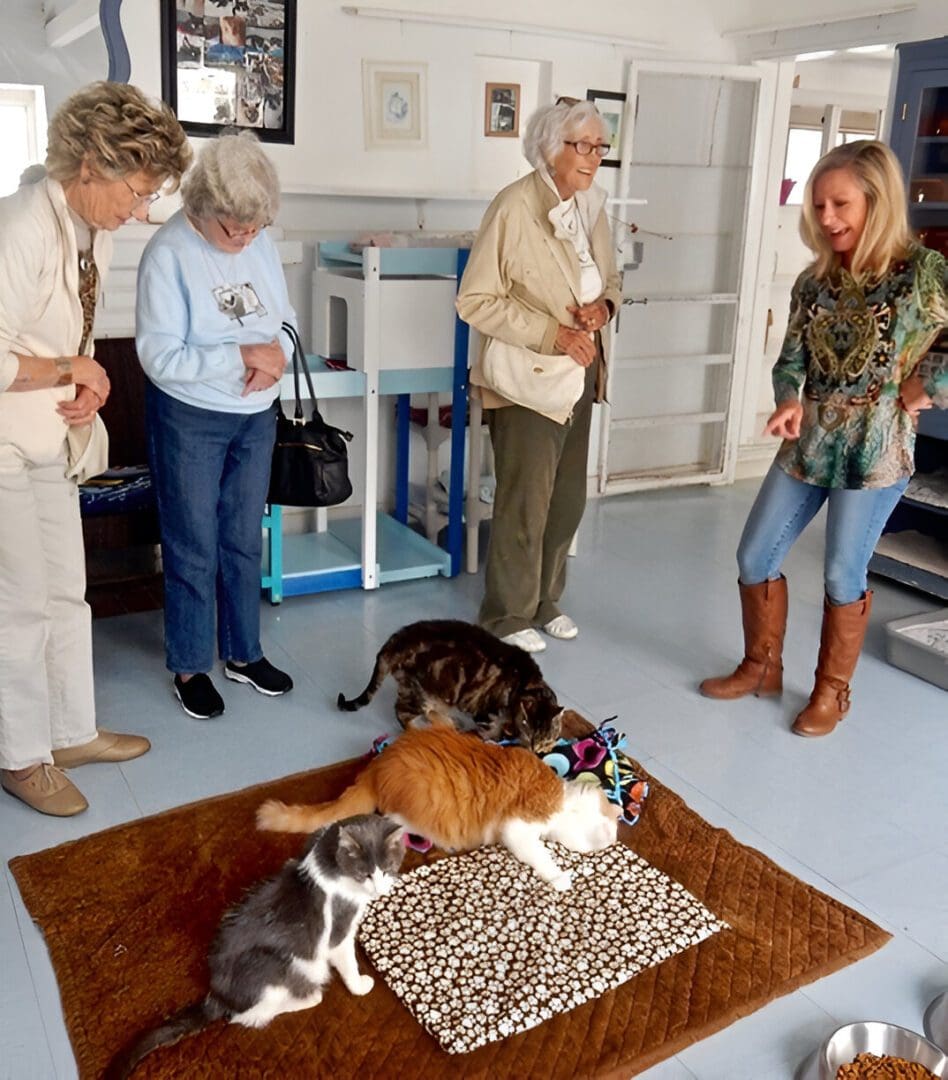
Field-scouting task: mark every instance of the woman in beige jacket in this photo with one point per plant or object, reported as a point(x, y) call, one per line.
point(542, 277)
point(110, 149)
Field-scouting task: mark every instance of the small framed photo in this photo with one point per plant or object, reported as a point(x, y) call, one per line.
point(502, 110)
point(394, 104)
point(228, 63)
point(611, 106)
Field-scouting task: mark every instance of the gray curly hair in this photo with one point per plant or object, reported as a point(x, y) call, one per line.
point(551, 125)
point(232, 177)
point(118, 131)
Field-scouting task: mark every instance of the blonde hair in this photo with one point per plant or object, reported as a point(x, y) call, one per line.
point(886, 235)
point(117, 131)
point(232, 177)
point(551, 125)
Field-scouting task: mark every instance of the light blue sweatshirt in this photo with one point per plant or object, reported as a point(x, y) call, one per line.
point(187, 337)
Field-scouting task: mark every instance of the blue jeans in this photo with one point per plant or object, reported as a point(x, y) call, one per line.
point(211, 471)
point(783, 509)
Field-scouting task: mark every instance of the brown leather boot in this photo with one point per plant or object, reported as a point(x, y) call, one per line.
point(764, 611)
point(844, 628)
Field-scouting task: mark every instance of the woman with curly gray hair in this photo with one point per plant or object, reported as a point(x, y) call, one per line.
point(541, 279)
point(110, 152)
point(211, 301)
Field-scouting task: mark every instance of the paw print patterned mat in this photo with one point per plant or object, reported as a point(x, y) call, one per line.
point(478, 948)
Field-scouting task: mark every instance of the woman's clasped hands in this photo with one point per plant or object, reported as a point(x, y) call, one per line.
point(92, 390)
point(576, 341)
point(264, 363)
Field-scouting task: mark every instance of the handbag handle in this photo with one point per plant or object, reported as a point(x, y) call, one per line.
point(299, 361)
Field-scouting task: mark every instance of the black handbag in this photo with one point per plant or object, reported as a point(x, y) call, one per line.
point(310, 459)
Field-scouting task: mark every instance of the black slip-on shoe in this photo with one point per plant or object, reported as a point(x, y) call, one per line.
point(261, 675)
point(198, 697)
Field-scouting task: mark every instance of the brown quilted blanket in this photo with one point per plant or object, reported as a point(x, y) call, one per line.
point(128, 914)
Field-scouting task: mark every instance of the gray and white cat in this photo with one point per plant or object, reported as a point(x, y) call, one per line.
point(274, 952)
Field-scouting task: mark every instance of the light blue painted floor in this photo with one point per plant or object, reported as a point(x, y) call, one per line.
point(861, 815)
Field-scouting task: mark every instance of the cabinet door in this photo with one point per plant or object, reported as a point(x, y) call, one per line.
point(691, 139)
point(920, 139)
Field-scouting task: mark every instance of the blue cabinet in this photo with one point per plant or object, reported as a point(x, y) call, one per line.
point(914, 547)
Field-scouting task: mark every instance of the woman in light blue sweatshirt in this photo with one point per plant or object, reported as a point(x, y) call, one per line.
point(211, 300)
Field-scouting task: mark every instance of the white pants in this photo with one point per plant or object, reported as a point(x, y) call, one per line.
point(46, 695)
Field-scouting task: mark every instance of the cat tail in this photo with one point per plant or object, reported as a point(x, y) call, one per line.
point(276, 816)
point(189, 1021)
point(378, 674)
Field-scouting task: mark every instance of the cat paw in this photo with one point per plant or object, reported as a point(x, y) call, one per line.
point(362, 985)
point(270, 815)
point(563, 882)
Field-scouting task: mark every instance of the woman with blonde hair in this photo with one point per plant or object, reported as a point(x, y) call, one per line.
point(863, 315)
point(211, 300)
point(541, 278)
point(110, 152)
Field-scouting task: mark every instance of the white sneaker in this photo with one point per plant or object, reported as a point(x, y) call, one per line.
point(528, 640)
point(561, 627)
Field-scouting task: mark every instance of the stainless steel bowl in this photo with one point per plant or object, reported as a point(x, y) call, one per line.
point(875, 1037)
point(936, 1021)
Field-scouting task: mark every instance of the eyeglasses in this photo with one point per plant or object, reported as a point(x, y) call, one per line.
point(142, 200)
point(242, 234)
point(563, 100)
point(584, 149)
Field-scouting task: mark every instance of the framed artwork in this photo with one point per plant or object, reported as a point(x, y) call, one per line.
point(611, 106)
point(230, 63)
point(394, 104)
point(502, 109)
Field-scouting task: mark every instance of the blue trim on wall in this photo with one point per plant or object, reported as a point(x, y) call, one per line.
point(120, 65)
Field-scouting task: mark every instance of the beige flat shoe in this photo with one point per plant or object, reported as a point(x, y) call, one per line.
point(46, 789)
point(106, 746)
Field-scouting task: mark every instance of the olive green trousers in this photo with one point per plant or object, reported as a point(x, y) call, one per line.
point(538, 504)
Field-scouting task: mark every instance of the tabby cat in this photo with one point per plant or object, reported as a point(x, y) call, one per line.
point(273, 952)
point(446, 663)
point(460, 793)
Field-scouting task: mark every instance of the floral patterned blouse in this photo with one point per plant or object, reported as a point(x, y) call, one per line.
point(849, 346)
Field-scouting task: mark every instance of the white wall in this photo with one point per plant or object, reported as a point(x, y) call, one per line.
point(330, 150)
point(26, 58)
point(928, 20)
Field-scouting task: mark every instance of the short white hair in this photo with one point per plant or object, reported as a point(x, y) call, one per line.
point(232, 177)
point(551, 125)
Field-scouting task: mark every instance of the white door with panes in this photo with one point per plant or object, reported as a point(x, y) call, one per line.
point(691, 138)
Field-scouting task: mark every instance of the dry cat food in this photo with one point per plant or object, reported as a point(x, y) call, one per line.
point(884, 1067)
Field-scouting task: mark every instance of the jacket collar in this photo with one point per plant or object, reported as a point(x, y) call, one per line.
point(588, 203)
point(67, 232)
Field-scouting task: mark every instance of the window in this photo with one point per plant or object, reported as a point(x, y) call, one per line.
point(22, 131)
point(805, 138)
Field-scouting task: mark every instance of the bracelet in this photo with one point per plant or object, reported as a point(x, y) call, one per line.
point(63, 370)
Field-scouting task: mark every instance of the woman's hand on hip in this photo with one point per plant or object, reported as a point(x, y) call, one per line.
point(268, 357)
point(82, 408)
point(577, 344)
point(591, 317)
point(785, 421)
point(257, 380)
point(913, 396)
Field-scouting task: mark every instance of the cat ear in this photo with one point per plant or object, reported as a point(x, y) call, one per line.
point(395, 841)
point(349, 844)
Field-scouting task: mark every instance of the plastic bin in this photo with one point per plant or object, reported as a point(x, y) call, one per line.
point(917, 657)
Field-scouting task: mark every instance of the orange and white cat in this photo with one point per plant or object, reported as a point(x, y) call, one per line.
point(461, 793)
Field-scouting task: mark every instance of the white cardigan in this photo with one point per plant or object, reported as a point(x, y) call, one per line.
point(40, 312)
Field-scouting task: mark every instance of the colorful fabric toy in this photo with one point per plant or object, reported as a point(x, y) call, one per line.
point(598, 758)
